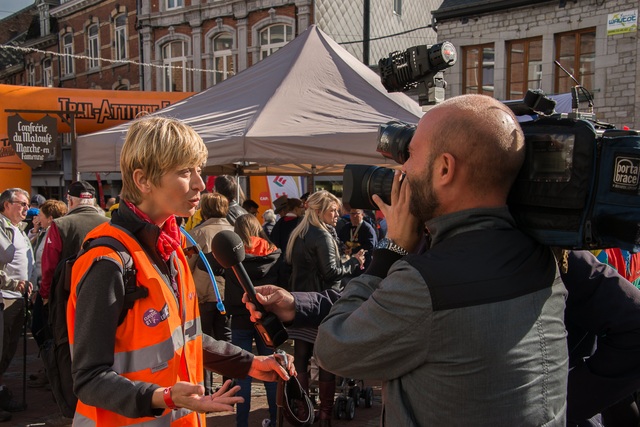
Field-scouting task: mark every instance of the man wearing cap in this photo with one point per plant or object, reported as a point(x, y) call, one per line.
point(66, 234)
point(280, 204)
point(64, 239)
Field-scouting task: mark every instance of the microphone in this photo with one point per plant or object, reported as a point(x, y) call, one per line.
point(228, 250)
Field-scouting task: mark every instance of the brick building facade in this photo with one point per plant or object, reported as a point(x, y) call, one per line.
point(506, 47)
point(92, 29)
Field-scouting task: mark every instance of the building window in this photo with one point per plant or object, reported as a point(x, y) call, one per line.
point(397, 7)
point(273, 38)
point(222, 57)
point(45, 24)
point(31, 75)
point(120, 37)
point(174, 55)
point(478, 66)
point(524, 66)
point(67, 48)
point(174, 4)
point(47, 73)
point(576, 52)
point(93, 44)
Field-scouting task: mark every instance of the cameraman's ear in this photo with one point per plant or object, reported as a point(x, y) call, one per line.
point(444, 169)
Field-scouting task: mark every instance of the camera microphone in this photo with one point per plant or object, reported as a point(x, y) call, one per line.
point(228, 250)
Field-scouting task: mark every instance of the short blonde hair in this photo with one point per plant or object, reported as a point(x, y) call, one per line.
point(158, 145)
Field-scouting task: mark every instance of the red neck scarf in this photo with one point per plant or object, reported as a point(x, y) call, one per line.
point(169, 239)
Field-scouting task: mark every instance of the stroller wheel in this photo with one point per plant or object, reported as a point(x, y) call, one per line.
point(355, 394)
point(339, 408)
point(368, 397)
point(350, 408)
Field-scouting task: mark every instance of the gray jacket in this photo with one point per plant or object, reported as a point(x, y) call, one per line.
point(7, 249)
point(469, 333)
point(7, 283)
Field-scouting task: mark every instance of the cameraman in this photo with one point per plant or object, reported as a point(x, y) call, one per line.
point(472, 330)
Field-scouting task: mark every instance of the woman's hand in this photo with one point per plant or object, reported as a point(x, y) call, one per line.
point(191, 396)
point(269, 368)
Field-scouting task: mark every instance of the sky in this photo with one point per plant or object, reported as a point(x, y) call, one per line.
point(9, 7)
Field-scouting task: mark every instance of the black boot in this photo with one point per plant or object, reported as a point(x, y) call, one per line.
point(327, 390)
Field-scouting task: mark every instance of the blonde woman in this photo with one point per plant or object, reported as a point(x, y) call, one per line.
point(313, 254)
point(148, 369)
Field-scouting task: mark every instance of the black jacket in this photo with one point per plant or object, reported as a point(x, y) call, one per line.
point(235, 210)
point(261, 272)
point(282, 230)
point(316, 264)
point(602, 307)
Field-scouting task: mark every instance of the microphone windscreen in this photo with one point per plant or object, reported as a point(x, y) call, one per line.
point(227, 248)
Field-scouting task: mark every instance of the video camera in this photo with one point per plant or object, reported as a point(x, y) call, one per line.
point(579, 187)
point(419, 67)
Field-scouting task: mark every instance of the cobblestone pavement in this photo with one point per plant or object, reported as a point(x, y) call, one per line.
point(41, 405)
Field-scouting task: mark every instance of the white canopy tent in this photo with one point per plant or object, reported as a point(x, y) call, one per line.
point(310, 108)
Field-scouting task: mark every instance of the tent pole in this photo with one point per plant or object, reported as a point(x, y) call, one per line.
point(311, 185)
point(238, 189)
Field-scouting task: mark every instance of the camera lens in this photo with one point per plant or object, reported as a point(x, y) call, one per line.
point(361, 182)
point(393, 140)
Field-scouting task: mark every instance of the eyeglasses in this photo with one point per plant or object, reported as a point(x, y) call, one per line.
point(23, 204)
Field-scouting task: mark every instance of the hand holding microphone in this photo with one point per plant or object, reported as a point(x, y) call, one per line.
point(228, 250)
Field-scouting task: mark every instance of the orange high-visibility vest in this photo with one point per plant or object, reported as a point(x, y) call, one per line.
point(160, 340)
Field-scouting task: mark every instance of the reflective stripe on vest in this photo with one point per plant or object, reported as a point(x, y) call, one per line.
point(131, 361)
point(155, 355)
point(166, 420)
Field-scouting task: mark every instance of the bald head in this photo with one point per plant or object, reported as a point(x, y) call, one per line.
point(484, 135)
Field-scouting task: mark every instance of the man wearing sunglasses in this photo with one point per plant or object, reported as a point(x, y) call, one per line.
point(15, 280)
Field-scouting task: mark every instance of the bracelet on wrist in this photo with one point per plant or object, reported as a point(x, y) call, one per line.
point(166, 394)
point(390, 245)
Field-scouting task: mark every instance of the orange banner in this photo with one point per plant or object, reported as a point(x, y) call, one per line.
point(92, 110)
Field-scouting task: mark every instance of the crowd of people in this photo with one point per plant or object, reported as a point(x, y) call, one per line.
point(464, 318)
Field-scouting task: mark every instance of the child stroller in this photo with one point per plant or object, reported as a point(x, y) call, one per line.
point(350, 394)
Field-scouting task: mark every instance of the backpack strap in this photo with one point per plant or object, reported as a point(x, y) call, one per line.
point(132, 291)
